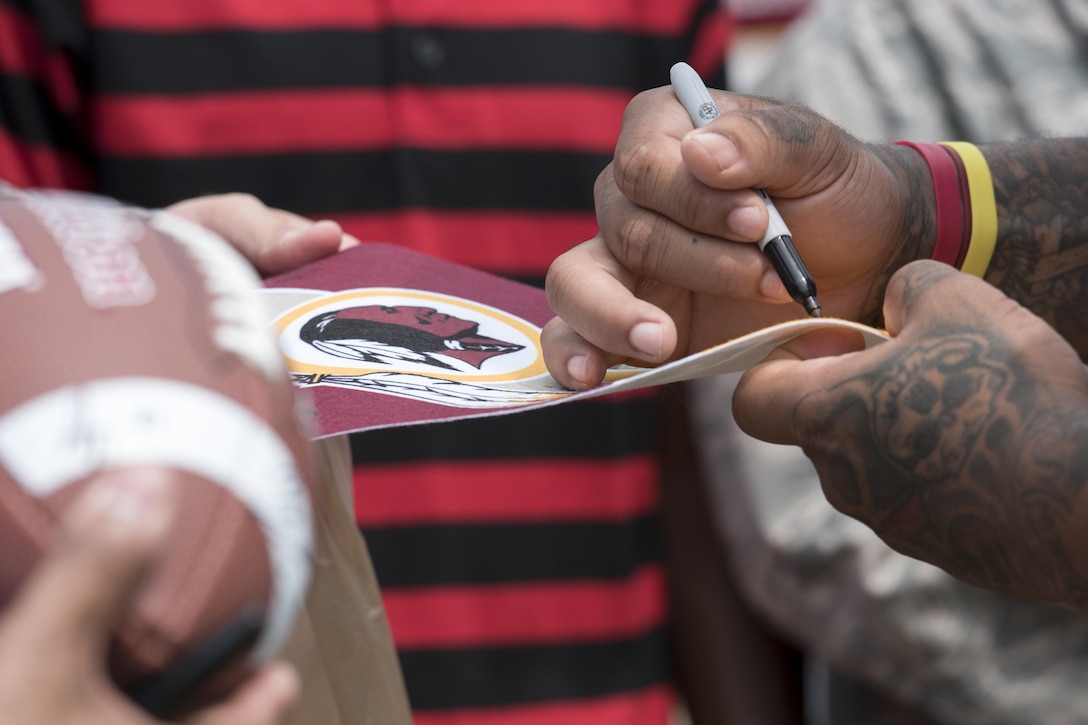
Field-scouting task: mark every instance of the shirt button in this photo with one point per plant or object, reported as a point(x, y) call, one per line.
point(428, 50)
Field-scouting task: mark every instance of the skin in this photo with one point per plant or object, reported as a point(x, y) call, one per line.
point(273, 240)
point(675, 268)
point(963, 440)
point(1041, 191)
point(53, 636)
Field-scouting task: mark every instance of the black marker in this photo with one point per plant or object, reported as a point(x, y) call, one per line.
point(776, 243)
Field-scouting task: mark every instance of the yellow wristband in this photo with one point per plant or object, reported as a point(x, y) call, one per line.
point(983, 208)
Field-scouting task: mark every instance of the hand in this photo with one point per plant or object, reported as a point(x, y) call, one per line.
point(960, 442)
point(273, 240)
point(674, 269)
point(54, 634)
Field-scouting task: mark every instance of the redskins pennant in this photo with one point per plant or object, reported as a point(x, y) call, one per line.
point(381, 336)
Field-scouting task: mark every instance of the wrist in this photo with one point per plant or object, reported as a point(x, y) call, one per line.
point(912, 215)
point(951, 206)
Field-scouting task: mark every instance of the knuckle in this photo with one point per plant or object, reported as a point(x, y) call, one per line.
point(723, 275)
point(243, 199)
point(560, 281)
point(603, 189)
point(638, 104)
point(634, 171)
point(703, 210)
point(634, 243)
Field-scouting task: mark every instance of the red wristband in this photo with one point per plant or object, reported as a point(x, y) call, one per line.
point(965, 204)
point(951, 229)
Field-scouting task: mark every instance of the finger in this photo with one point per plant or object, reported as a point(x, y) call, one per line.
point(347, 241)
point(649, 170)
point(928, 300)
point(593, 294)
point(108, 541)
point(302, 242)
point(653, 245)
point(767, 400)
point(928, 290)
point(572, 361)
point(264, 699)
point(766, 143)
point(273, 240)
point(924, 295)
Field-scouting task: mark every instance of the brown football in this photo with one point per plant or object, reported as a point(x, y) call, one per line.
point(136, 339)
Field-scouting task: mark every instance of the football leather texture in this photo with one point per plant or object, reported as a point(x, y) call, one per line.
point(134, 339)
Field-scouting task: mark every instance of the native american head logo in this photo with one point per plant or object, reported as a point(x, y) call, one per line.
point(411, 343)
point(394, 334)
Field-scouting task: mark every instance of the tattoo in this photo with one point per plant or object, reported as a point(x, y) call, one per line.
point(958, 454)
point(1041, 257)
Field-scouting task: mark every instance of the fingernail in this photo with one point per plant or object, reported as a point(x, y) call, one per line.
point(646, 339)
point(128, 501)
point(142, 500)
point(347, 241)
point(746, 222)
point(771, 287)
point(577, 368)
point(284, 685)
point(93, 507)
point(718, 147)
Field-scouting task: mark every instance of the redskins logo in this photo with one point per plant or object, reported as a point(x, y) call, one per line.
point(412, 343)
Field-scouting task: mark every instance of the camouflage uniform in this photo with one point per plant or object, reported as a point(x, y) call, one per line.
point(938, 70)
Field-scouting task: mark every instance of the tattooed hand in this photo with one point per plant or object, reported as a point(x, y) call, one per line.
point(675, 270)
point(963, 441)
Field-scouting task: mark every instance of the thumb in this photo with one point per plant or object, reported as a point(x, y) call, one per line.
point(107, 543)
point(273, 240)
point(298, 241)
point(768, 395)
point(767, 143)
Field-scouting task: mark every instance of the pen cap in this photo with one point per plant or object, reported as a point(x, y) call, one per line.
point(692, 94)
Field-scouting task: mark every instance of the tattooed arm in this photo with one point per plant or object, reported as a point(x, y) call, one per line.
point(1041, 257)
point(962, 442)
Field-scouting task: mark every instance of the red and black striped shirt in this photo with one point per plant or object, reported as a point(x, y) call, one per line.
point(517, 555)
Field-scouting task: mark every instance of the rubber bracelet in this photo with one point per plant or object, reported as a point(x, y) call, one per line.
point(980, 185)
point(951, 233)
point(965, 204)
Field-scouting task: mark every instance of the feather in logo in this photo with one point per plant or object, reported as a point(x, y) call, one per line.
point(415, 344)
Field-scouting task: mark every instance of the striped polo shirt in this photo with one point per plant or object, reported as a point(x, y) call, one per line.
point(518, 556)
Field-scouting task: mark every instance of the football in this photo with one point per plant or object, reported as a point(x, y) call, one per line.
point(136, 339)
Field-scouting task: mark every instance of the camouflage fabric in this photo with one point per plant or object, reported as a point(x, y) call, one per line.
point(925, 70)
point(938, 70)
